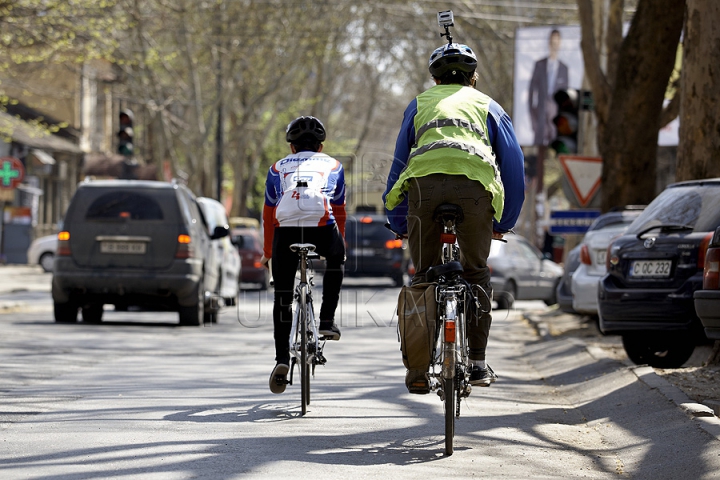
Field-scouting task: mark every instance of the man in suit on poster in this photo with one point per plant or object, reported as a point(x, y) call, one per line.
point(549, 76)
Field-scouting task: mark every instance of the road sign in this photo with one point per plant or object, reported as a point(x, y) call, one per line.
point(584, 175)
point(12, 172)
point(571, 221)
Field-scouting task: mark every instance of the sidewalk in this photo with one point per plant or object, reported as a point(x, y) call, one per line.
point(20, 285)
point(553, 323)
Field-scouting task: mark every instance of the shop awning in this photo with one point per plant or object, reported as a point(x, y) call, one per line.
point(18, 130)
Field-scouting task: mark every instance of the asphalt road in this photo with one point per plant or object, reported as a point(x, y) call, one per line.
point(139, 397)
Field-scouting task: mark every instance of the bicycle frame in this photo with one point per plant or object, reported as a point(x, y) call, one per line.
point(303, 291)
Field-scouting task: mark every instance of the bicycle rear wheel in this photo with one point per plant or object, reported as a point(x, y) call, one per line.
point(449, 390)
point(304, 367)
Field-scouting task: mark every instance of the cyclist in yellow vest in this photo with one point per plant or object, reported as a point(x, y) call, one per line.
point(456, 145)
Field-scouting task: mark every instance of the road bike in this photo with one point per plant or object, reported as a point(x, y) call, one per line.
point(306, 345)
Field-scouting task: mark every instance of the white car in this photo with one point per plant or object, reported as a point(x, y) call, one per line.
point(593, 250)
point(224, 255)
point(42, 252)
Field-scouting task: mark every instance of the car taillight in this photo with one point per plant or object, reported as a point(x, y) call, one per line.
point(703, 249)
point(63, 245)
point(610, 259)
point(397, 243)
point(184, 247)
point(585, 255)
point(711, 272)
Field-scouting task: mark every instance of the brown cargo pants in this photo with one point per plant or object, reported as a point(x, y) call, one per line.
point(474, 235)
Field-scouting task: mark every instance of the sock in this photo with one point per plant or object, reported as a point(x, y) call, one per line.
point(479, 363)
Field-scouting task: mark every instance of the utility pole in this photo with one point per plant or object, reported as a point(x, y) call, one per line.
point(219, 131)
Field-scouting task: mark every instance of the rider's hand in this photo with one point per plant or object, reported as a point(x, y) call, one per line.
point(497, 235)
point(264, 262)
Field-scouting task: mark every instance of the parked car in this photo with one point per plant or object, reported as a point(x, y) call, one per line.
point(563, 292)
point(519, 271)
point(707, 300)
point(653, 271)
point(249, 244)
point(135, 243)
point(42, 252)
point(225, 257)
point(593, 249)
point(373, 251)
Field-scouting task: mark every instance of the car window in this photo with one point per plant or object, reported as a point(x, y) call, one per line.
point(697, 207)
point(528, 252)
point(123, 205)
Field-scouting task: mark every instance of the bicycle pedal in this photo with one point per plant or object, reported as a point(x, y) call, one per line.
point(320, 359)
point(441, 394)
point(465, 392)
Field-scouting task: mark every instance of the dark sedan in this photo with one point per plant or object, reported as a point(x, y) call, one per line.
point(707, 300)
point(653, 271)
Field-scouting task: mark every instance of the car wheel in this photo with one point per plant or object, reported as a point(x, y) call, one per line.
point(506, 298)
point(194, 315)
point(265, 284)
point(65, 312)
point(666, 350)
point(553, 299)
point(92, 313)
point(46, 261)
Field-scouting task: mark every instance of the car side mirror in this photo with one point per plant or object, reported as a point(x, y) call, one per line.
point(220, 232)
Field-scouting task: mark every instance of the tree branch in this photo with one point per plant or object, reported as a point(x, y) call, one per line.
point(593, 70)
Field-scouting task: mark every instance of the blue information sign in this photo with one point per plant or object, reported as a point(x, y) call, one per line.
point(571, 221)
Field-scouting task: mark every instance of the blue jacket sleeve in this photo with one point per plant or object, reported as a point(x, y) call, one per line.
point(511, 162)
point(405, 140)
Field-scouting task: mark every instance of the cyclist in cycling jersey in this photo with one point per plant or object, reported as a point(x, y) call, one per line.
point(456, 145)
point(304, 203)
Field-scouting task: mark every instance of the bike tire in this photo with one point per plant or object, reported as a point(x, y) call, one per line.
point(304, 367)
point(449, 389)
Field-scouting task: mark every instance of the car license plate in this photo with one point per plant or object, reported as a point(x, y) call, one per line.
point(362, 252)
point(133, 248)
point(600, 257)
point(650, 268)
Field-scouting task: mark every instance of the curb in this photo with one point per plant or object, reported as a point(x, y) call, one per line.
point(703, 414)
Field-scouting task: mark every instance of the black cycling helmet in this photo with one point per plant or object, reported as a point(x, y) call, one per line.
point(303, 126)
point(453, 56)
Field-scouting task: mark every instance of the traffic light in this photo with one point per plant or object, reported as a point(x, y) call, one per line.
point(126, 133)
point(566, 121)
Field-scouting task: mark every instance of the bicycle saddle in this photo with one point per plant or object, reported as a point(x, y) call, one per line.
point(449, 269)
point(308, 247)
point(449, 211)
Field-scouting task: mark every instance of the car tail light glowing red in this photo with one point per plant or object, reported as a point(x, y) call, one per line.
point(390, 244)
point(184, 247)
point(63, 245)
point(711, 272)
point(585, 255)
point(703, 249)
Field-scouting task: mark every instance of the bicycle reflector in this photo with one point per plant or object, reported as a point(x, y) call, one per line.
point(448, 238)
point(449, 330)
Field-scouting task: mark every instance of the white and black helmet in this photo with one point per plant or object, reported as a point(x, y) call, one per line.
point(303, 126)
point(453, 56)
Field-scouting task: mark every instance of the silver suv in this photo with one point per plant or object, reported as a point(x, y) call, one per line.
point(135, 243)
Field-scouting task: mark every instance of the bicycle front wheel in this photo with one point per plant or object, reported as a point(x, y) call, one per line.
point(304, 367)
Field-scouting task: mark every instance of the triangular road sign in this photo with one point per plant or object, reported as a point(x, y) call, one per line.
point(584, 175)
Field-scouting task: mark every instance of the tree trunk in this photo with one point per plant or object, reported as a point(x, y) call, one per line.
point(699, 148)
point(629, 140)
point(714, 358)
